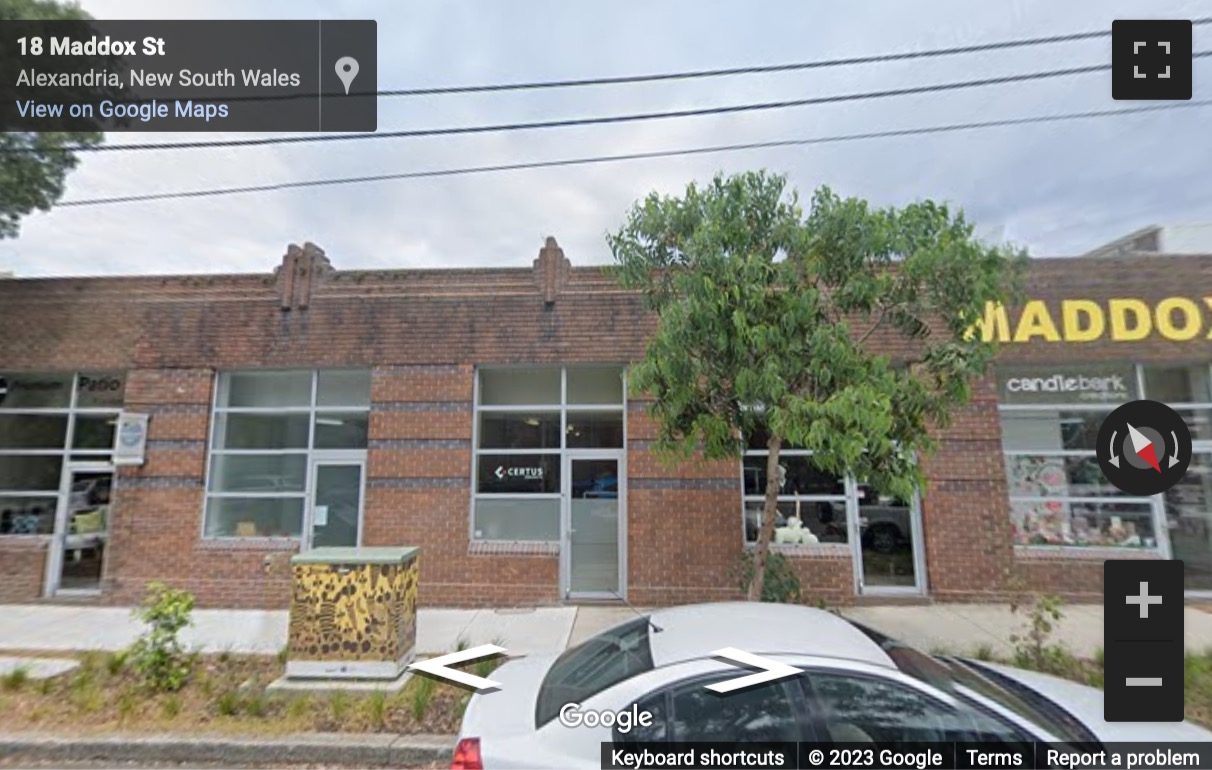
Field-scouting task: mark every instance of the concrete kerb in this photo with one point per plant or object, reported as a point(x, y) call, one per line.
point(313, 748)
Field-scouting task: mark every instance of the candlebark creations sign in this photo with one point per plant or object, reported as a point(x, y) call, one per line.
point(1077, 320)
point(1113, 383)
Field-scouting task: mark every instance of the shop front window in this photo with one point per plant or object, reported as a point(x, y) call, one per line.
point(1050, 418)
point(47, 418)
point(808, 497)
point(527, 420)
point(268, 428)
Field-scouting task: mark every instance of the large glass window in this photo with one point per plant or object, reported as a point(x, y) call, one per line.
point(267, 425)
point(817, 499)
point(45, 418)
point(1050, 417)
point(526, 419)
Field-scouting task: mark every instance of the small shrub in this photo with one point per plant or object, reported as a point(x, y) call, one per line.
point(228, 703)
point(1033, 648)
point(462, 643)
point(46, 686)
point(89, 698)
point(338, 706)
point(376, 708)
point(983, 652)
point(1100, 658)
point(781, 584)
point(256, 703)
point(172, 706)
point(128, 701)
point(299, 706)
point(283, 655)
point(421, 697)
point(93, 660)
point(158, 655)
point(15, 679)
point(115, 662)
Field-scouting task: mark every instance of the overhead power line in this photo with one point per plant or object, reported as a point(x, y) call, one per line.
point(213, 192)
point(601, 120)
point(763, 69)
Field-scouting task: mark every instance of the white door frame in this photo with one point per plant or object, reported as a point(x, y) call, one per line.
point(566, 460)
point(332, 457)
point(861, 588)
point(58, 542)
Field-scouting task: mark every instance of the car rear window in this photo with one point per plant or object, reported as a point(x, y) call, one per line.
point(589, 668)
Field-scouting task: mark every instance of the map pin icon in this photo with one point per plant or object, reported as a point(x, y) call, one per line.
point(347, 70)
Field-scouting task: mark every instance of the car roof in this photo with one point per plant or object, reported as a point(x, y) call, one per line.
point(698, 630)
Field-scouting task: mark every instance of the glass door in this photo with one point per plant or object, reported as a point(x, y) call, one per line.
point(81, 530)
point(887, 548)
point(592, 520)
point(1188, 507)
point(334, 517)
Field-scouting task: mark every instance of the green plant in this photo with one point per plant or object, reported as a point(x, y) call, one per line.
point(299, 706)
point(115, 662)
point(376, 707)
point(16, 678)
point(421, 696)
point(1033, 648)
point(256, 702)
point(284, 654)
point(462, 643)
point(983, 652)
point(228, 703)
point(93, 660)
point(87, 697)
point(46, 686)
point(172, 706)
point(781, 584)
point(128, 701)
point(158, 655)
point(338, 705)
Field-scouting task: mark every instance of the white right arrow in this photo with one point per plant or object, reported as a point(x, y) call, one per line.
point(438, 666)
point(771, 670)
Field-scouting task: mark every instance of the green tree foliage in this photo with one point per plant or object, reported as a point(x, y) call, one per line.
point(770, 317)
point(34, 165)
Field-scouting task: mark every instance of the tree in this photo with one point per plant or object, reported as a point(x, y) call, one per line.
point(34, 165)
point(772, 319)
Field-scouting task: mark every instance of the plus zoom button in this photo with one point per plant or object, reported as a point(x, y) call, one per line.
point(1151, 59)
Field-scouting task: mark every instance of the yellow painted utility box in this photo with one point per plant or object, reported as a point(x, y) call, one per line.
point(353, 613)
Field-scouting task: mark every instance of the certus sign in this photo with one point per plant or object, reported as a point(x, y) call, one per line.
point(526, 474)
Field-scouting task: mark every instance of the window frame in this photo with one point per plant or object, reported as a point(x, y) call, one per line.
point(563, 409)
point(848, 498)
point(1156, 503)
point(67, 453)
point(310, 453)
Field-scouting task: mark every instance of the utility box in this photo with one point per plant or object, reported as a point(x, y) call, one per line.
point(353, 613)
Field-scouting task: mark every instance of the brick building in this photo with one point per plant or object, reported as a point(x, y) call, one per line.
point(480, 414)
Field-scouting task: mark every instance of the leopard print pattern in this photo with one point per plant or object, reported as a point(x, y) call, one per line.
point(368, 613)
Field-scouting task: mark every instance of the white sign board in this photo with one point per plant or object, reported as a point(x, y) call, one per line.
point(130, 439)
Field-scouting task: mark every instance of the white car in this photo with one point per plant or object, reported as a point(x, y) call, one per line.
point(857, 686)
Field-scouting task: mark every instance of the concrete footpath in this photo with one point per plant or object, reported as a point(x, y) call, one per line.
point(958, 628)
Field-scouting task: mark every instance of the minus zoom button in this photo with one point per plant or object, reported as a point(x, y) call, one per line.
point(1143, 681)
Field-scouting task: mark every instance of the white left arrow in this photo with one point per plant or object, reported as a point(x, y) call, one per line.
point(439, 666)
point(771, 670)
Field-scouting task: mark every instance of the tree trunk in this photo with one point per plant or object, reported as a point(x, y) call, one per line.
point(770, 510)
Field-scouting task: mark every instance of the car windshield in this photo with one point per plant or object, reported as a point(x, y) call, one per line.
point(949, 674)
point(600, 662)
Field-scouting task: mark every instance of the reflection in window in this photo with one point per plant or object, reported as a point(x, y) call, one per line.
point(602, 661)
point(758, 714)
point(866, 710)
point(27, 515)
point(812, 505)
point(519, 430)
point(1189, 384)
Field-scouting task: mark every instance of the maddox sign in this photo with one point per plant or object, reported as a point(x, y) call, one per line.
point(1178, 319)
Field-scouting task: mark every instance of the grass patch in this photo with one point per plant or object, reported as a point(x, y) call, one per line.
point(16, 679)
point(225, 693)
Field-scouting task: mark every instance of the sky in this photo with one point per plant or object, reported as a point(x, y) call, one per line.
point(1056, 189)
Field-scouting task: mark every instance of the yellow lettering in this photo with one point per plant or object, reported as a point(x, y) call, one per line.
point(995, 324)
point(1036, 322)
point(1208, 302)
point(1083, 320)
point(1192, 319)
point(1123, 330)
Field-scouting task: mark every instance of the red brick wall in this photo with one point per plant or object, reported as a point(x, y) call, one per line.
point(423, 332)
point(22, 567)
